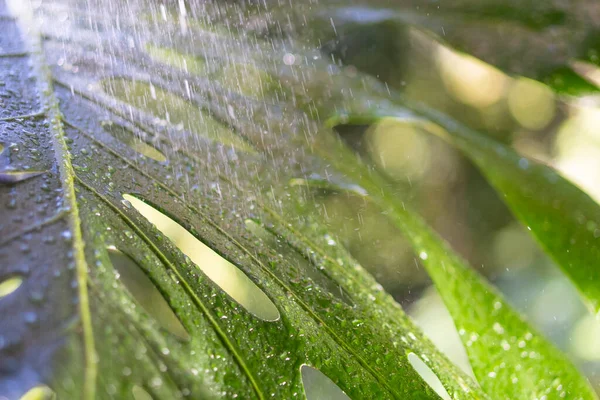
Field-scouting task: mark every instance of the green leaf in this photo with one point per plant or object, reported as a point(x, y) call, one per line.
point(178, 111)
point(491, 330)
point(562, 217)
point(194, 65)
point(588, 71)
point(566, 81)
point(508, 357)
point(504, 350)
point(541, 199)
point(83, 320)
point(171, 145)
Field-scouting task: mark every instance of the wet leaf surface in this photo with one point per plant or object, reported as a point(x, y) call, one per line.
point(214, 115)
point(97, 333)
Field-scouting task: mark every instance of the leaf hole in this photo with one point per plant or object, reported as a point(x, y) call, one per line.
point(10, 285)
point(9, 177)
point(145, 292)
point(190, 63)
point(175, 109)
point(140, 394)
point(387, 255)
point(40, 392)
point(246, 78)
point(223, 273)
point(317, 386)
point(133, 141)
point(289, 252)
point(428, 375)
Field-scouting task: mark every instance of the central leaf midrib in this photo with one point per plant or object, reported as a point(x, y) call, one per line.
point(63, 159)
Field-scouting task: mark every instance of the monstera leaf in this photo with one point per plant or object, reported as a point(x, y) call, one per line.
point(156, 159)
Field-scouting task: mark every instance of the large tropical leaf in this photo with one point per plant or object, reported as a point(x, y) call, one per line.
point(153, 241)
point(106, 304)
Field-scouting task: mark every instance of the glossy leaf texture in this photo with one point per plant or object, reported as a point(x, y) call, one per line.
point(494, 335)
point(92, 108)
point(509, 358)
point(147, 130)
point(505, 352)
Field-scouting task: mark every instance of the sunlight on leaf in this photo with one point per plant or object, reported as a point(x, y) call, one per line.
point(9, 285)
point(507, 357)
point(39, 393)
point(215, 69)
point(503, 349)
point(140, 394)
point(188, 63)
point(317, 386)
point(229, 278)
point(428, 375)
point(561, 216)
